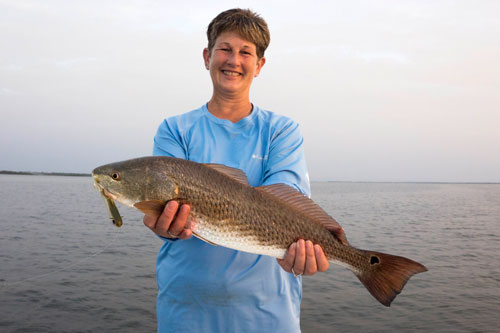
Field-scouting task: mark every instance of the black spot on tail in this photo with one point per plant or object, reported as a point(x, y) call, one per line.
point(374, 260)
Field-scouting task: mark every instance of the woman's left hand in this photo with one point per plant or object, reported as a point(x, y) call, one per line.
point(304, 258)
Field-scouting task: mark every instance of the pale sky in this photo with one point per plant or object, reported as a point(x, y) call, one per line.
point(383, 90)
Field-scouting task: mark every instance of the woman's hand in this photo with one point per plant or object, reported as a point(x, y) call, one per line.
point(304, 258)
point(172, 221)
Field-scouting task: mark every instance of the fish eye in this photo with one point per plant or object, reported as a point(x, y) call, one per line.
point(115, 176)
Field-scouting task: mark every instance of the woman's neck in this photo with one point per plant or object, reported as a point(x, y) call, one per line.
point(230, 109)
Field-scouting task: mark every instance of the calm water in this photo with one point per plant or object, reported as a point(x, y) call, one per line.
point(65, 268)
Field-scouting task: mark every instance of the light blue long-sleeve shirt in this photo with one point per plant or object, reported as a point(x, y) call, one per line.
point(206, 288)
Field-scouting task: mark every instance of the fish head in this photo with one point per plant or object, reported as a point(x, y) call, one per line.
point(133, 181)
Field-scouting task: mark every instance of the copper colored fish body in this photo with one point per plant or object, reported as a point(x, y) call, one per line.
point(227, 211)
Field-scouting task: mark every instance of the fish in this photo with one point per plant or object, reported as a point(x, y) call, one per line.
point(227, 211)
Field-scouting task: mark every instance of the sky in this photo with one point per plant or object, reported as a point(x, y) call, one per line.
point(383, 90)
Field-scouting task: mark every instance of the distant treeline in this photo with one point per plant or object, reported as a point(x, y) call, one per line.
point(29, 173)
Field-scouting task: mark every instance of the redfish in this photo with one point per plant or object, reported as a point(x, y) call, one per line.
point(227, 211)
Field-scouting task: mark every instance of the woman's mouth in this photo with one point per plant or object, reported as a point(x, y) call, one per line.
point(230, 73)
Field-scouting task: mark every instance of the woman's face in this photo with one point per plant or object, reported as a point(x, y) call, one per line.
point(233, 63)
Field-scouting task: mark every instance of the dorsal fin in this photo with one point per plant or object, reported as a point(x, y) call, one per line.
point(234, 173)
point(302, 203)
point(151, 207)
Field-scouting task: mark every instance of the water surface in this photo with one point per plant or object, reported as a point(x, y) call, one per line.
point(66, 268)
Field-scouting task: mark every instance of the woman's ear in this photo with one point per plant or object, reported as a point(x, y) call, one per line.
point(206, 57)
point(260, 64)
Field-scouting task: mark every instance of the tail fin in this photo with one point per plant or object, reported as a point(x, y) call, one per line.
point(388, 275)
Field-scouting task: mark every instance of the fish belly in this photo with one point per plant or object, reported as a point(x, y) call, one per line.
point(235, 240)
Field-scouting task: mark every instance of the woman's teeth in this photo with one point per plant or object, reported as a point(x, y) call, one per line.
point(230, 73)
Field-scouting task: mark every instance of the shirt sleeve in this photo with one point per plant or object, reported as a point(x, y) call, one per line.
point(286, 161)
point(168, 140)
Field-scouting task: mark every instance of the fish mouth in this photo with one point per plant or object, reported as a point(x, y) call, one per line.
point(109, 194)
point(103, 191)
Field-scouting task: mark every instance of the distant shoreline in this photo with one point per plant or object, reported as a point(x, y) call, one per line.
point(73, 174)
point(30, 173)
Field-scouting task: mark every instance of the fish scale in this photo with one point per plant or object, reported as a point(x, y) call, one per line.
point(227, 211)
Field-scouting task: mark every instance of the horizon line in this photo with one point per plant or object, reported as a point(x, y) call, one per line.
point(79, 174)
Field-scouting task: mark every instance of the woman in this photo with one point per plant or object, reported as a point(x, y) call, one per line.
point(209, 288)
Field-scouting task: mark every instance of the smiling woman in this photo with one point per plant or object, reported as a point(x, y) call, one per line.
point(208, 288)
point(237, 40)
point(233, 64)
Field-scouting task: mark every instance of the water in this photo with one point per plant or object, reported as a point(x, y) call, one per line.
point(454, 229)
point(65, 268)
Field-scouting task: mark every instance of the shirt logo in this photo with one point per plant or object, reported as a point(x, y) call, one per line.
point(257, 157)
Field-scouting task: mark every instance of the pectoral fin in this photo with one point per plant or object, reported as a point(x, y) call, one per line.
point(151, 207)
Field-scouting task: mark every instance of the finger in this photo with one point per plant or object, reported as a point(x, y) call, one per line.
point(163, 224)
point(185, 234)
point(183, 214)
point(321, 260)
point(150, 221)
point(287, 262)
point(300, 257)
point(310, 266)
point(179, 221)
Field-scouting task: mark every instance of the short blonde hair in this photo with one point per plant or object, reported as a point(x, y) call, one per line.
point(247, 24)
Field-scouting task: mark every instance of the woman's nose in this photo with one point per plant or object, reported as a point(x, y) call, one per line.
point(234, 59)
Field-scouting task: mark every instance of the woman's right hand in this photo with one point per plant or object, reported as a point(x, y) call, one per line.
point(172, 221)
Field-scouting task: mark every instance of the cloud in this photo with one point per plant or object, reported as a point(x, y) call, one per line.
point(23, 5)
point(8, 92)
point(11, 68)
point(75, 62)
point(348, 51)
point(374, 55)
point(382, 56)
